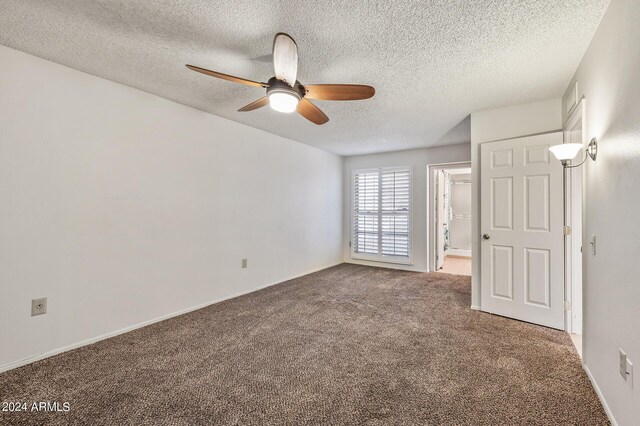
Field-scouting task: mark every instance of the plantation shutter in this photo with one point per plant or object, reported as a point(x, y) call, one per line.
point(395, 188)
point(366, 202)
point(382, 214)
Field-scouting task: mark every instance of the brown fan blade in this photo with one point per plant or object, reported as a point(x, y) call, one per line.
point(227, 76)
point(311, 112)
point(255, 104)
point(338, 92)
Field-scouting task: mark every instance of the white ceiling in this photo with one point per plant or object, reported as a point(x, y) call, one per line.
point(431, 62)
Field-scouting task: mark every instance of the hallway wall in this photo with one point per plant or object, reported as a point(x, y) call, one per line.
point(608, 80)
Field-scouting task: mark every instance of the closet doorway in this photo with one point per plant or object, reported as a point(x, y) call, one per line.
point(450, 244)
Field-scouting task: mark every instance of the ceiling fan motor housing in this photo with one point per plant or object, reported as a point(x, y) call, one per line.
point(276, 85)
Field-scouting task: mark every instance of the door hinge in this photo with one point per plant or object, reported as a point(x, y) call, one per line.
point(567, 305)
point(349, 243)
point(566, 230)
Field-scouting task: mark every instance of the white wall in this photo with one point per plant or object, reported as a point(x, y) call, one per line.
point(418, 159)
point(497, 124)
point(122, 207)
point(608, 79)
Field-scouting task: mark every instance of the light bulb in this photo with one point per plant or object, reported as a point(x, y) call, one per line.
point(283, 101)
point(566, 151)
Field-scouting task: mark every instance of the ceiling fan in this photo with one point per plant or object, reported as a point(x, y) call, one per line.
point(285, 93)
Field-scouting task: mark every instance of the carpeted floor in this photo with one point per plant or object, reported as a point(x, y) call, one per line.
point(347, 345)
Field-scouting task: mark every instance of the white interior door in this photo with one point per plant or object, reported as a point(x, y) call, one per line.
point(522, 253)
point(440, 212)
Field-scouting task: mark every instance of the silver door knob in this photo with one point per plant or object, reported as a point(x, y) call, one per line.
point(485, 236)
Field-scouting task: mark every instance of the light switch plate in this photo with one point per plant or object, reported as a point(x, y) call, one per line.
point(630, 372)
point(244, 263)
point(623, 363)
point(38, 306)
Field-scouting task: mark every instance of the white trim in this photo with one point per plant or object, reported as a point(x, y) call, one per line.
point(381, 259)
point(573, 98)
point(528, 135)
point(574, 276)
point(459, 252)
point(386, 265)
point(596, 388)
point(475, 307)
point(91, 340)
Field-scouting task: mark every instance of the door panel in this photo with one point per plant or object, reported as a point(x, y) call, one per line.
point(502, 272)
point(521, 215)
point(502, 158)
point(502, 203)
point(536, 154)
point(537, 276)
point(536, 200)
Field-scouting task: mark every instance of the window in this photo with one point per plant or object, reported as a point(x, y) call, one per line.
point(381, 215)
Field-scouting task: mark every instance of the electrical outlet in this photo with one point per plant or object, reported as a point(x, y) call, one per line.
point(244, 263)
point(38, 306)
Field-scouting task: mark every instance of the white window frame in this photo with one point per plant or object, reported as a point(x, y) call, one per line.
point(380, 257)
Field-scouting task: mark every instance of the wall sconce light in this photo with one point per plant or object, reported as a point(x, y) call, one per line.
point(567, 151)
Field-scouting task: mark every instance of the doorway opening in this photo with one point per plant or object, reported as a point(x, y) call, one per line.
point(450, 213)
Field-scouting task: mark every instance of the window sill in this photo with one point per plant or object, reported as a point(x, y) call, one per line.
point(382, 260)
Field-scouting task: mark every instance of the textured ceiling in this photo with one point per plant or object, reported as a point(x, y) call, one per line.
point(431, 62)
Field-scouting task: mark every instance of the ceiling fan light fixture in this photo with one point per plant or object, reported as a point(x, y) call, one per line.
point(283, 101)
point(285, 93)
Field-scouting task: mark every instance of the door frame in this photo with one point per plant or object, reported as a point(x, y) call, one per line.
point(575, 218)
point(431, 208)
point(439, 181)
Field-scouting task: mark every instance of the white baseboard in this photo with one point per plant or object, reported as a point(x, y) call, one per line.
point(386, 265)
point(91, 340)
point(475, 307)
point(458, 252)
point(600, 396)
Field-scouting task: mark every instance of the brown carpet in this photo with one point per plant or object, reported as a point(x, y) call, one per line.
point(347, 345)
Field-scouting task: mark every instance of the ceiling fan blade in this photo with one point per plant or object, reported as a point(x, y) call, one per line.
point(311, 112)
point(226, 76)
point(285, 58)
point(255, 104)
point(338, 92)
